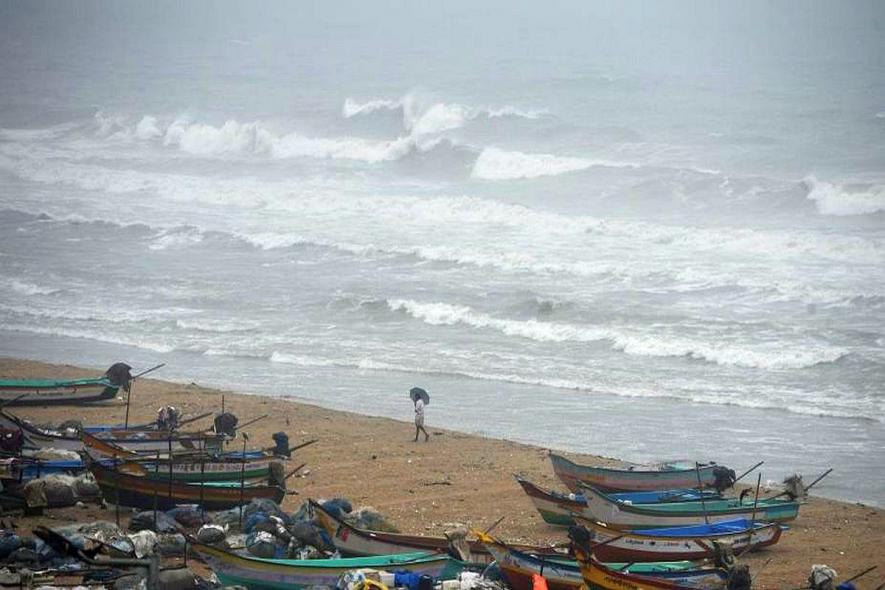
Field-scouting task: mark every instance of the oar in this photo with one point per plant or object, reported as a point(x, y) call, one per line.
point(294, 471)
point(295, 448)
point(823, 475)
point(252, 421)
point(146, 371)
point(759, 571)
point(13, 400)
point(302, 445)
point(187, 421)
point(747, 472)
point(494, 525)
point(863, 573)
point(809, 486)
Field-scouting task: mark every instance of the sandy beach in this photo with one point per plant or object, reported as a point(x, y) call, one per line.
point(455, 478)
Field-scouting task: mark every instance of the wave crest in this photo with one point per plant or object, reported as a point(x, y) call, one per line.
point(752, 356)
point(497, 164)
point(844, 200)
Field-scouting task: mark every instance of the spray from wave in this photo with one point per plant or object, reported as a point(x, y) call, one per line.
point(842, 200)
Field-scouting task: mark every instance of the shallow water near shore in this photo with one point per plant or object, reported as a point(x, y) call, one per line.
point(655, 249)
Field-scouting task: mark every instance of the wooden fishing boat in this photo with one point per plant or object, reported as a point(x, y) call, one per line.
point(601, 576)
point(557, 509)
point(554, 509)
point(663, 476)
point(667, 544)
point(145, 441)
point(353, 541)
point(138, 491)
point(153, 441)
point(36, 437)
point(43, 392)
point(518, 567)
point(194, 470)
point(621, 515)
point(295, 574)
point(187, 467)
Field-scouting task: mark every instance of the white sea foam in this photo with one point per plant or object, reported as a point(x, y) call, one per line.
point(26, 288)
point(498, 164)
point(437, 115)
point(178, 237)
point(441, 314)
point(148, 128)
point(217, 326)
point(300, 360)
point(757, 356)
point(352, 108)
point(833, 199)
point(754, 356)
point(439, 118)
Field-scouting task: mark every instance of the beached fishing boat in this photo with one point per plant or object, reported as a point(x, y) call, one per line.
point(667, 544)
point(138, 491)
point(192, 469)
point(145, 441)
point(295, 574)
point(36, 437)
point(518, 568)
point(353, 541)
point(43, 392)
point(663, 476)
point(557, 509)
point(621, 515)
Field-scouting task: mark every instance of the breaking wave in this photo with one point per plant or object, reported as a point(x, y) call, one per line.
point(25, 288)
point(761, 356)
point(435, 115)
point(844, 200)
point(498, 164)
point(757, 356)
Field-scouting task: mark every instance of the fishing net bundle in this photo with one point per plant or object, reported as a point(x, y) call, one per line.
point(120, 375)
point(794, 488)
point(723, 478)
point(822, 577)
point(739, 578)
point(226, 423)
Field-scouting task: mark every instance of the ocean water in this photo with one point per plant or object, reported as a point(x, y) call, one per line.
point(640, 230)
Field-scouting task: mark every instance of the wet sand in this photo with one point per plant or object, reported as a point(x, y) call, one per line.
point(425, 488)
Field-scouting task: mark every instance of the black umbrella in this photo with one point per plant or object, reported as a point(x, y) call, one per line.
point(417, 392)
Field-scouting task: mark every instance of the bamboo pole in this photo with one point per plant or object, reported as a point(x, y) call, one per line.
point(697, 470)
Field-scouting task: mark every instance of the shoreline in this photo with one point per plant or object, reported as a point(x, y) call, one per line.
point(423, 488)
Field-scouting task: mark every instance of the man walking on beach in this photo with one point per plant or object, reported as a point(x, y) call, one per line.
point(419, 420)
